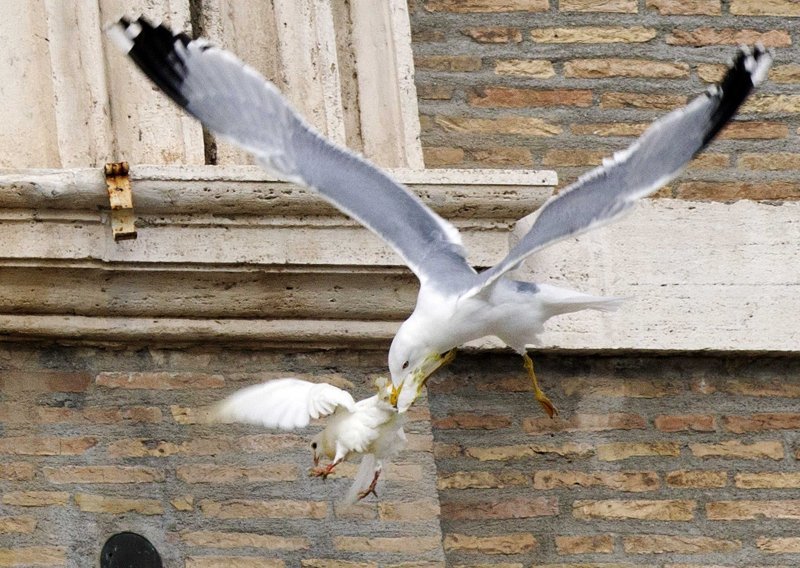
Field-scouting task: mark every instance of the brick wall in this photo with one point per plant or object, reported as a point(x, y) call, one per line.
point(95, 442)
point(559, 85)
point(671, 462)
point(662, 462)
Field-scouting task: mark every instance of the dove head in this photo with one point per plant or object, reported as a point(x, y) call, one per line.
point(385, 389)
point(321, 445)
point(410, 371)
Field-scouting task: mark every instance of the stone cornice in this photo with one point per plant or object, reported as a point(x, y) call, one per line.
point(225, 255)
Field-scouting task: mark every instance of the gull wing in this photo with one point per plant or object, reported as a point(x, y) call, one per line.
point(659, 155)
point(234, 101)
point(283, 403)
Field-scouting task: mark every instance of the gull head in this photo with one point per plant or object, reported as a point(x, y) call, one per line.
point(403, 396)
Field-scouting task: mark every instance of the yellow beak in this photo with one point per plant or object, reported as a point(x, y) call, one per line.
point(395, 395)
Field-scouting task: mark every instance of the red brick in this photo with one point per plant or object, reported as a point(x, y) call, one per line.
point(220, 473)
point(612, 6)
point(630, 129)
point(712, 36)
point(467, 421)
point(215, 561)
point(678, 544)
point(502, 453)
point(453, 63)
point(494, 34)
point(46, 445)
point(613, 67)
point(508, 97)
point(99, 415)
point(411, 511)
point(21, 525)
point(272, 509)
point(585, 544)
point(43, 381)
point(686, 423)
point(504, 157)
point(574, 157)
point(734, 190)
point(218, 539)
point(117, 505)
point(768, 480)
point(102, 474)
point(615, 451)
point(514, 508)
point(754, 130)
point(35, 498)
point(769, 161)
point(789, 8)
point(16, 471)
point(481, 480)
point(594, 34)
point(785, 73)
point(652, 510)
point(743, 510)
point(764, 449)
point(431, 92)
point(536, 68)
point(617, 388)
point(160, 381)
point(520, 125)
point(584, 423)
point(642, 100)
point(617, 480)
point(762, 422)
point(441, 157)
point(779, 545)
point(710, 161)
point(385, 544)
point(686, 7)
point(515, 543)
point(468, 6)
point(33, 556)
point(697, 479)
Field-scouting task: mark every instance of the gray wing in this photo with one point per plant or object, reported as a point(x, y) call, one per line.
point(234, 101)
point(653, 160)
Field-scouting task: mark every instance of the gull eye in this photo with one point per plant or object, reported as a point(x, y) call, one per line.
point(405, 365)
point(313, 445)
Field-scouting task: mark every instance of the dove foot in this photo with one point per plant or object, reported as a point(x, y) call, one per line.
point(371, 488)
point(322, 471)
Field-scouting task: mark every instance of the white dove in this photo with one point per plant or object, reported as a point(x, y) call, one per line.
point(371, 427)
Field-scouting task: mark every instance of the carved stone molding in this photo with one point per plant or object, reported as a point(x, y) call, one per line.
point(225, 254)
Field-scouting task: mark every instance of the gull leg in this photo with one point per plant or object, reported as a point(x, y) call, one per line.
point(323, 471)
point(548, 406)
point(371, 488)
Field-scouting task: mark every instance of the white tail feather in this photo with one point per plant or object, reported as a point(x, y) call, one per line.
point(366, 471)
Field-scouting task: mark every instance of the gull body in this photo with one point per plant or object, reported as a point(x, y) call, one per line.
point(455, 303)
point(370, 427)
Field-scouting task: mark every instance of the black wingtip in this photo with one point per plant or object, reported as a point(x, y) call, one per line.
point(748, 70)
point(154, 50)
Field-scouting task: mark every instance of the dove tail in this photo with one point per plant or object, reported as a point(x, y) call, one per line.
point(366, 471)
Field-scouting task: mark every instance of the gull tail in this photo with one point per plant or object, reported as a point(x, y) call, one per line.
point(563, 301)
point(366, 471)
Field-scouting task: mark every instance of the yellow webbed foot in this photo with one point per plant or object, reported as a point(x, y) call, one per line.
point(546, 403)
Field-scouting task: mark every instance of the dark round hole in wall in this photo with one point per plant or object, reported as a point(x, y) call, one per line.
point(129, 550)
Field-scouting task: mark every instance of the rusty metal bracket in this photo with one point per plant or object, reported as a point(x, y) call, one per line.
point(119, 195)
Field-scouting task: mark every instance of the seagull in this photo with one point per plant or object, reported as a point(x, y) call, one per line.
point(371, 427)
point(456, 303)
